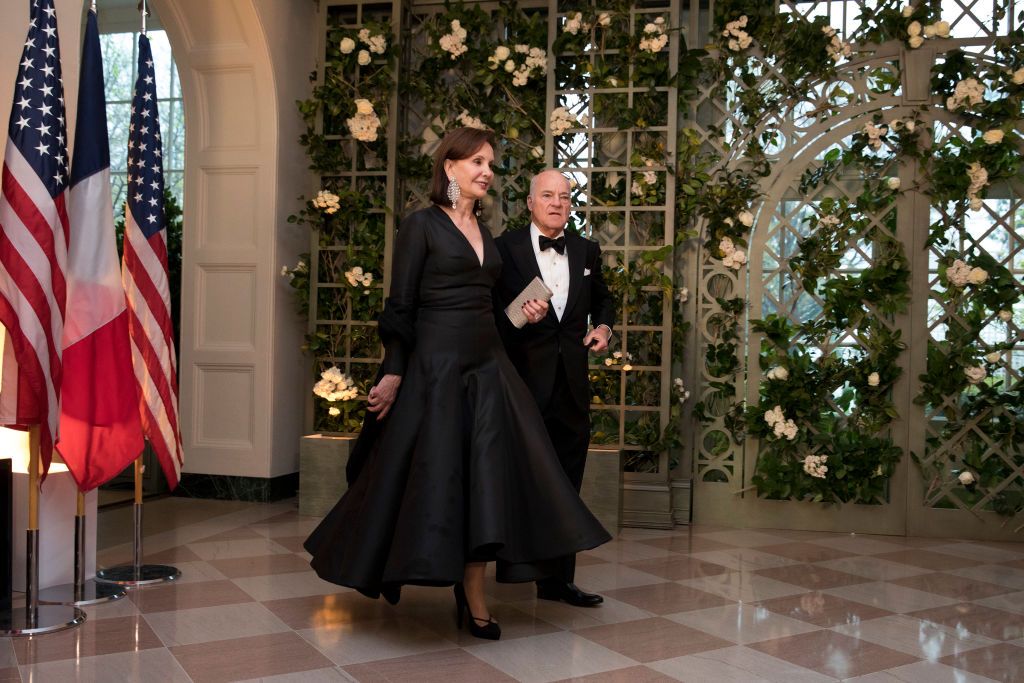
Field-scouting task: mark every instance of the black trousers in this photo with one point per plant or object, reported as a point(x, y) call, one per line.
point(568, 425)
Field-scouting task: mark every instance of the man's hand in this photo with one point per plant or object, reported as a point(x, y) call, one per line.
point(597, 339)
point(535, 310)
point(382, 396)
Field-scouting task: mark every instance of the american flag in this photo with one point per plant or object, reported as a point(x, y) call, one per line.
point(34, 235)
point(144, 273)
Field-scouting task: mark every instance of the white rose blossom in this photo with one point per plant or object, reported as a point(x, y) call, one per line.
point(966, 478)
point(774, 416)
point(874, 380)
point(893, 183)
point(875, 134)
point(778, 373)
point(604, 19)
point(993, 137)
point(363, 58)
point(738, 39)
point(1005, 315)
point(975, 374)
point(915, 41)
point(574, 24)
point(683, 295)
point(907, 11)
point(977, 276)
point(347, 45)
point(993, 356)
point(914, 28)
point(815, 466)
point(958, 274)
point(333, 412)
point(837, 48)
point(1018, 76)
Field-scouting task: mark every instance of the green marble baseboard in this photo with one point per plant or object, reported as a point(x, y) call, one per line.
point(227, 487)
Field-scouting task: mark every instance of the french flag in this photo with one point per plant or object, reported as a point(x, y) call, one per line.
point(100, 427)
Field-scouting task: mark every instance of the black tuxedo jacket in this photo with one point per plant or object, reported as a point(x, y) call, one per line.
point(536, 349)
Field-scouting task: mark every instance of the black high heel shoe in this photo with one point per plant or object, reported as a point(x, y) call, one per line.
point(478, 628)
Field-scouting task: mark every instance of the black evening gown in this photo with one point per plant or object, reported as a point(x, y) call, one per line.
point(462, 468)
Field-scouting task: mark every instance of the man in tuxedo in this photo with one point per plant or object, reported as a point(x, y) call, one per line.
point(551, 354)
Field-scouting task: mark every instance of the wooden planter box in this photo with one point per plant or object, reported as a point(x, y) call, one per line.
point(322, 460)
point(602, 487)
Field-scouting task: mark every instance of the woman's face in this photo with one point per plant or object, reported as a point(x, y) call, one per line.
point(473, 174)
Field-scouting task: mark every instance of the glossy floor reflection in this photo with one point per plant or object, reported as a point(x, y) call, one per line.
point(694, 604)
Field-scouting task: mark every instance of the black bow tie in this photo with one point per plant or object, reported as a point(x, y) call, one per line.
point(558, 244)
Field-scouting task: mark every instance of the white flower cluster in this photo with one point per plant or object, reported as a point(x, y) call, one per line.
point(326, 201)
point(655, 39)
point(837, 47)
point(620, 358)
point(815, 466)
point(875, 134)
point(960, 274)
point(967, 92)
point(778, 422)
point(683, 295)
point(828, 221)
point(365, 123)
point(917, 33)
point(643, 179)
point(454, 43)
point(356, 277)
point(681, 393)
point(562, 120)
point(470, 121)
point(535, 62)
point(979, 179)
point(738, 38)
point(745, 218)
point(334, 385)
point(731, 256)
point(377, 43)
point(975, 374)
point(289, 273)
point(777, 373)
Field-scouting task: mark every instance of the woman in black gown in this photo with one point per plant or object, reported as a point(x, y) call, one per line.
point(456, 468)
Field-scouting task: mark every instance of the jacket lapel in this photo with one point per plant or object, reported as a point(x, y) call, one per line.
point(576, 248)
point(522, 254)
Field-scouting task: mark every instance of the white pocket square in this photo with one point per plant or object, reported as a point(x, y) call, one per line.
point(586, 272)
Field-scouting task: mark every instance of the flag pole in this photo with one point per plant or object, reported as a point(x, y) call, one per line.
point(137, 573)
point(83, 591)
point(34, 618)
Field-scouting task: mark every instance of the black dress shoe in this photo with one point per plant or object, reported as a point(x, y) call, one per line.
point(569, 592)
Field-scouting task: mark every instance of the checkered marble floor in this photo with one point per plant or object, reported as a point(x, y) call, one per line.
point(694, 604)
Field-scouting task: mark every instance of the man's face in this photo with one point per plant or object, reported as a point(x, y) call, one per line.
point(549, 203)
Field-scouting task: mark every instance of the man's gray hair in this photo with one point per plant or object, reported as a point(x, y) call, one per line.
point(533, 180)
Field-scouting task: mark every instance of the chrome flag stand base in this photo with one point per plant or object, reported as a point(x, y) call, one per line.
point(83, 591)
point(26, 621)
point(35, 619)
point(138, 574)
point(91, 592)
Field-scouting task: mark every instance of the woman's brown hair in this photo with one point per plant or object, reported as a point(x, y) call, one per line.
point(457, 144)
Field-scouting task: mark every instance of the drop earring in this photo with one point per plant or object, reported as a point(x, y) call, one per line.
point(453, 192)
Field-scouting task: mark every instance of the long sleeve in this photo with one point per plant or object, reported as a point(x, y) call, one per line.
point(602, 306)
point(397, 323)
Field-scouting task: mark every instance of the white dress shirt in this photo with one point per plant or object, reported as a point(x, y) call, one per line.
point(554, 270)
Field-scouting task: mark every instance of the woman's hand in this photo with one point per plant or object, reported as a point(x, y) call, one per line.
point(535, 310)
point(382, 396)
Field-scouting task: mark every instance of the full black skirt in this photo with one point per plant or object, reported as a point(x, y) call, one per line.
point(462, 470)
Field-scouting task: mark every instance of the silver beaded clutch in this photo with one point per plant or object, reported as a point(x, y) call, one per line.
point(535, 290)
